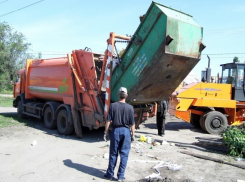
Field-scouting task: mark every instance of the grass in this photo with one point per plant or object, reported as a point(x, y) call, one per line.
point(6, 101)
point(10, 119)
point(6, 92)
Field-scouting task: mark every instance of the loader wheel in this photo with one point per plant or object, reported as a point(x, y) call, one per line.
point(49, 122)
point(195, 120)
point(202, 121)
point(215, 122)
point(20, 110)
point(63, 125)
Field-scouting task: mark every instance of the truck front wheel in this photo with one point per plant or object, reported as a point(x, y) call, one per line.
point(215, 122)
point(49, 122)
point(63, 125)
point(20, 110)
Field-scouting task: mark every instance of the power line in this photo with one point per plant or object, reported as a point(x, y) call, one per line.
point(3, 2)
point(222, 54)
point(21, 8)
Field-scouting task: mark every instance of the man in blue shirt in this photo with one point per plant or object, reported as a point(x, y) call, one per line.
point(121, 118)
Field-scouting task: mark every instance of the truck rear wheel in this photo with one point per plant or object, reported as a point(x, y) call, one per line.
point(63, 125)
point(215, 122)
point(49, 122)
point(20, 110)
point(195, 120)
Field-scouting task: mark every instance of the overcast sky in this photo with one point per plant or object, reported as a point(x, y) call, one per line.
point(56, 27)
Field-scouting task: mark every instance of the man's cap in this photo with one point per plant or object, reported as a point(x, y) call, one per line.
point(123, 90)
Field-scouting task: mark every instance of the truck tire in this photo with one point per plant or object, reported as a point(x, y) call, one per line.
point(63, 125)
point(49, 122)
point(215, 122)
point(202, 121)
point(195, 120)
point(20, 110)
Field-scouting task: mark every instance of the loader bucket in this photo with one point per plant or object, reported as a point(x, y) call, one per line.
point(164, 49)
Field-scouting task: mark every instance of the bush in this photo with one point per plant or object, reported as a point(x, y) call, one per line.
point(234, 138)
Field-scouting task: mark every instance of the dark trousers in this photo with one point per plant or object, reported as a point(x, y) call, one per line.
point(160, 123)
point(120, 143)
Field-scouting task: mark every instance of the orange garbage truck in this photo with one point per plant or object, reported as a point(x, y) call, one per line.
point(76, 91)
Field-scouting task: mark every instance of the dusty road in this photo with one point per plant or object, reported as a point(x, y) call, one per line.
point(6, 95)
point(60, 158)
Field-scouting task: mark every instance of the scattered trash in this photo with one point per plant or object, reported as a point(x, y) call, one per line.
point(149, 140)
point(157, 175)
point(174, 167)
point(155, 143)
point(106, 156)
point(143, 138)
point(105, 146)
point(34, 143)
point(239, 159)
point(151, 147)
point(164, 143)
point(141, 151)
point(94, 157)
point(154, 175)
point(151, 156)
point(172, 144)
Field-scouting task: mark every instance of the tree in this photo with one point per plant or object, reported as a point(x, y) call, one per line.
point(13, 53)
point(235, 59)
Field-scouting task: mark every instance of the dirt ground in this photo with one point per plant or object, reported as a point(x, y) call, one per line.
point(65, 158)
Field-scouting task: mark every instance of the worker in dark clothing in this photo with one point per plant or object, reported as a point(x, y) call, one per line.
point(161, 113)
point(121, 117)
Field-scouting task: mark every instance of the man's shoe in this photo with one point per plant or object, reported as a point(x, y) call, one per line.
point(121, 179)
point(162, 135)
point(106, 177)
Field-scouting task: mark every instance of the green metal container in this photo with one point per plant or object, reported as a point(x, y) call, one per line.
point(164, 49)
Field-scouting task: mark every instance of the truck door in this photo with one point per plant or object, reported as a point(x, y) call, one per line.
point(17, 86)
point(239, 87)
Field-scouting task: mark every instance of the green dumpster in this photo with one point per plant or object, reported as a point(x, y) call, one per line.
point(164, 49)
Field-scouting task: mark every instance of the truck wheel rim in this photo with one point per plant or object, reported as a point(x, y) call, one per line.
point(216, 122)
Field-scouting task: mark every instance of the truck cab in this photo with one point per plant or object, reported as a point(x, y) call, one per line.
point(233, 73)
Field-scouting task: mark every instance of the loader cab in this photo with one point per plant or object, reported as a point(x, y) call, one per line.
point(233, 73)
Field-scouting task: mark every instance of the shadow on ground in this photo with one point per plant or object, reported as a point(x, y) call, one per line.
point(175, 126)
point(99, 173)
point(88, 136)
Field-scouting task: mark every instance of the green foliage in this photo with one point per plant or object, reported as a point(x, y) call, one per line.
point(236, 59)
point(11, 120)
point(13, 53)
point(6, 91)
point(6, 101)
point(234, 138)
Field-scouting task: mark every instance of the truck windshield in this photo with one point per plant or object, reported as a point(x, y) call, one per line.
point(229, 76)
point(234, 76)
